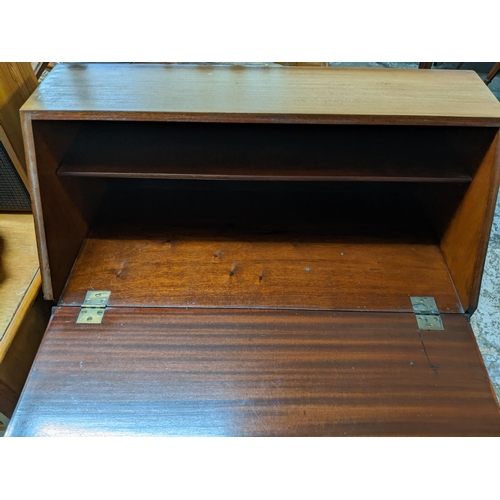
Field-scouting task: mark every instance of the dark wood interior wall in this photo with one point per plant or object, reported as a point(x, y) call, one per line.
point(274, 151)
point(465, 240)
point(63, 206)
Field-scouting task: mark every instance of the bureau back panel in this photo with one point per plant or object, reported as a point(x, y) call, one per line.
point(275, 152)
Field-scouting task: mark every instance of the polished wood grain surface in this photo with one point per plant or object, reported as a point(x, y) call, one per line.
point(276, 152)
point(346, 246)
point(278, 94)
point(164, 372)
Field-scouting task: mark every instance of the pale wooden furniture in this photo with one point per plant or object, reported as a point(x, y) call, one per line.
point(260, 251)
point(23, 313)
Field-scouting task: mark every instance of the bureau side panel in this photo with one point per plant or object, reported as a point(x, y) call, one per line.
point(61, 209)
point(465, 240)
point(36, 201)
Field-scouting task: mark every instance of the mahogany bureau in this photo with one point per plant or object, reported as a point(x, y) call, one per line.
point(239, 251)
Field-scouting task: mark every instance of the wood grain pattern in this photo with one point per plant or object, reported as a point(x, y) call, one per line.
point(277, 94)
point(276, 152)
point(306, 275)
point(465, 241)
point(164, 372)
point(17, 82)
point(281, 245)
point(18, 269)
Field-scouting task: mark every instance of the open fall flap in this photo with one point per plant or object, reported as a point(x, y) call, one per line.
point(222, 372)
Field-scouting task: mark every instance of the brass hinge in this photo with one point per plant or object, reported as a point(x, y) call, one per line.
point(427, 313)
point(93, 307)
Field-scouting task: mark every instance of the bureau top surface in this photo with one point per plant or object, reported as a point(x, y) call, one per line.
point(263, 94)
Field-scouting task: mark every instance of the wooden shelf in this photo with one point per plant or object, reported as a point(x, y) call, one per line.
point(270, 173)
point(19, 271)
point(274, 152)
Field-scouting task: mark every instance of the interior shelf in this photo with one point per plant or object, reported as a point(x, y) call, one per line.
point(274, 152)
point(320, 246)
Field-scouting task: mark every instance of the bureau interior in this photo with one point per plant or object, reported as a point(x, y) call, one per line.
point(205, 215)
point(345, 246)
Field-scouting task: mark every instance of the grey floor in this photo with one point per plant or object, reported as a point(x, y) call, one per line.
point(486, 320)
